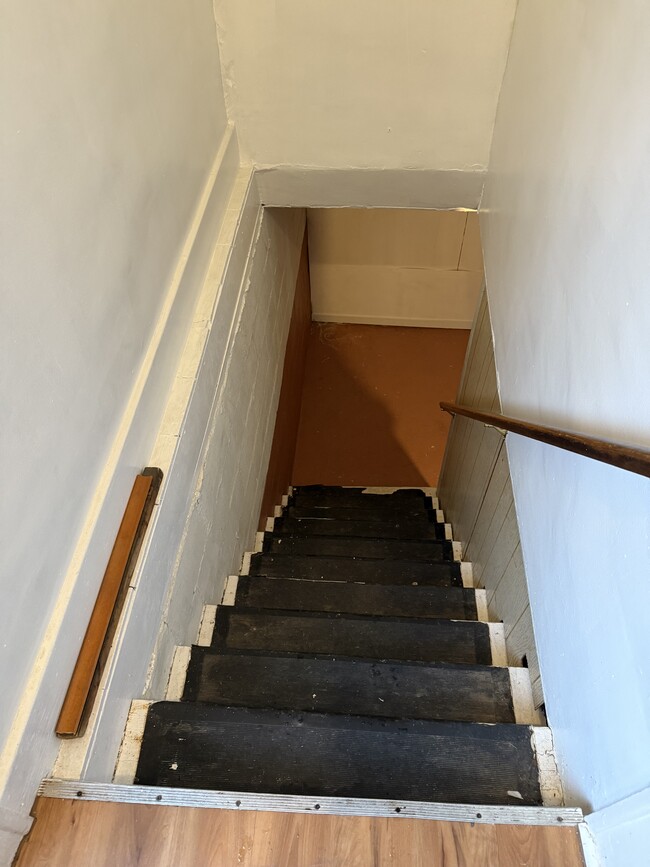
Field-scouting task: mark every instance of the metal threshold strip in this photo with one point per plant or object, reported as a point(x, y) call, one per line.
point(489, 815)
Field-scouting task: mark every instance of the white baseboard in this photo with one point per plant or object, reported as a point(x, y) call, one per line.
point(589, 848)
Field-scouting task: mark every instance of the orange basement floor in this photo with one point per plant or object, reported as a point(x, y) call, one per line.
point(370, 411)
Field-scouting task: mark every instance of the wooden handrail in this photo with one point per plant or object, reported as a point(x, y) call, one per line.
point(626, 458)
point(121, 565)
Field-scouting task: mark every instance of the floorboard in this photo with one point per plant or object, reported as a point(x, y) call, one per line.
point(74, 834)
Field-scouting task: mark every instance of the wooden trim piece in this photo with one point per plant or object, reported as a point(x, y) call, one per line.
point(550, 783)
point(178, 673)
point(498, 644)
point(206, 628)
point(230, 590)
point(127, 760)
point(119, 570)
point(481, 605)
point(633, 460)
point(467, 574)
point(522, 698)
point(157, 795)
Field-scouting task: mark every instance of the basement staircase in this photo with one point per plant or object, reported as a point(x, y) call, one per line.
point(352, 658)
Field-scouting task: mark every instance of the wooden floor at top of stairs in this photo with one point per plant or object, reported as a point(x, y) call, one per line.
point(78, 834)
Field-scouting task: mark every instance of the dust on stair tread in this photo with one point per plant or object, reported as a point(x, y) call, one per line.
point(415, 512)
point(436, 640)
point(319, 568)
point(454, 603)
point(429, 551)
point(317, 495)
point(351, 686)
point(388, 529)
point(239, 749)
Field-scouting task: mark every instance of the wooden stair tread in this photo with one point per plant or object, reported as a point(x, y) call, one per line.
point(393, 528)
point(319, 495)
point(351, 686)
point(435, 640)
point(207, 746)
point(427, 551)
point(415, 512)
point(455, 603)
point(370, 571)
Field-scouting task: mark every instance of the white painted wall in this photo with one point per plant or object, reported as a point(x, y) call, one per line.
point(476, 494)
point(565, 232)
point(362, 85)
point(116, 166)
point(213, 446)
point(395, 267)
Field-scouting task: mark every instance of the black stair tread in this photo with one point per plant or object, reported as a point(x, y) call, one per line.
point(206, 746)
point(393, 528)
point(429, 551)
point(415, 512)
point(263, 630)
point(318, 495)
point(377, 599)
point(317, 568)
point(351, 686)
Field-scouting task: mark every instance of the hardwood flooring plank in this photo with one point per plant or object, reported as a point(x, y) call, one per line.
point(94, 834)
point(544, 847)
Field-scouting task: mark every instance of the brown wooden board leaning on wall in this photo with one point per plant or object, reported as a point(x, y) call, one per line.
point(121, 565)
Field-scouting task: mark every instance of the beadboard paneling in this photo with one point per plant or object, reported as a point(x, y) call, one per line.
point(476, 494)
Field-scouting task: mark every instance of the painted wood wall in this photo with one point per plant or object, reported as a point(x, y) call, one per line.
point(287, 420)
point(395, 266)
point(476, 493)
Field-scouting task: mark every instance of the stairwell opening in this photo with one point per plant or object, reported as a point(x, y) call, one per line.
point(342, 578)
point(393, 294)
